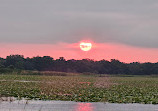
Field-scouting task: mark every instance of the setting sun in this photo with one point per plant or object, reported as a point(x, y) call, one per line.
point(85, 46)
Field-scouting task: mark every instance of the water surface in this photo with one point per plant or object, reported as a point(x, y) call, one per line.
point(32, 105)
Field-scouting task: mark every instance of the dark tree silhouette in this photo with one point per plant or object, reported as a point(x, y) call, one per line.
point(47, 63)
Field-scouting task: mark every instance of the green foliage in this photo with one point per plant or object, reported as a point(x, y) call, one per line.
point(47, 63)
point(140, 89)
point(5, 70)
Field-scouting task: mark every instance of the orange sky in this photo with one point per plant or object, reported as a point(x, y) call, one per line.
point(99, 51)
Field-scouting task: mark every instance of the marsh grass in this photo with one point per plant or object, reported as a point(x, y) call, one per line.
point(73, 87)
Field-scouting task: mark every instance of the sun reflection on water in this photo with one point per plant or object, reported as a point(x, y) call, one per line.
point(84, 107)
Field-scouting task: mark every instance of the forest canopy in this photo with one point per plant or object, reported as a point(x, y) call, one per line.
point(47, 63)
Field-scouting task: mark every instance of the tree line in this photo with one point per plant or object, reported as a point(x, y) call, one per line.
point(47, 63)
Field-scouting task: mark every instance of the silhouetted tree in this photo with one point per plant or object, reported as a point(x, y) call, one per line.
point(42, 63)
point(16, 61)
point(47, 63)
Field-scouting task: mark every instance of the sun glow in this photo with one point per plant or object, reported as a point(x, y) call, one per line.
point(85, 46)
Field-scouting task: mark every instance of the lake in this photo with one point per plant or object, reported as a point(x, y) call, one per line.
point(38, 105)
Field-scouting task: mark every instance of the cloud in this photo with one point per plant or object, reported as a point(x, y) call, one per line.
point(51, 21)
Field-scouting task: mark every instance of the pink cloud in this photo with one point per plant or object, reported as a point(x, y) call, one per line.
point(99, 51)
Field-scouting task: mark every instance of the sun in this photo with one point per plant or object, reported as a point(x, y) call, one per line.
point(85, 46)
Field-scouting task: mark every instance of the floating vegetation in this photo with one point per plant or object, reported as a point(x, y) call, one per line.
point(143, 89)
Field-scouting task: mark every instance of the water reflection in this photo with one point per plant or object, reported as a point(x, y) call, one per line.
point(84, 107)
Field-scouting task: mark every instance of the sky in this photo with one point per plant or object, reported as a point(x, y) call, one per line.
point(119, 29)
